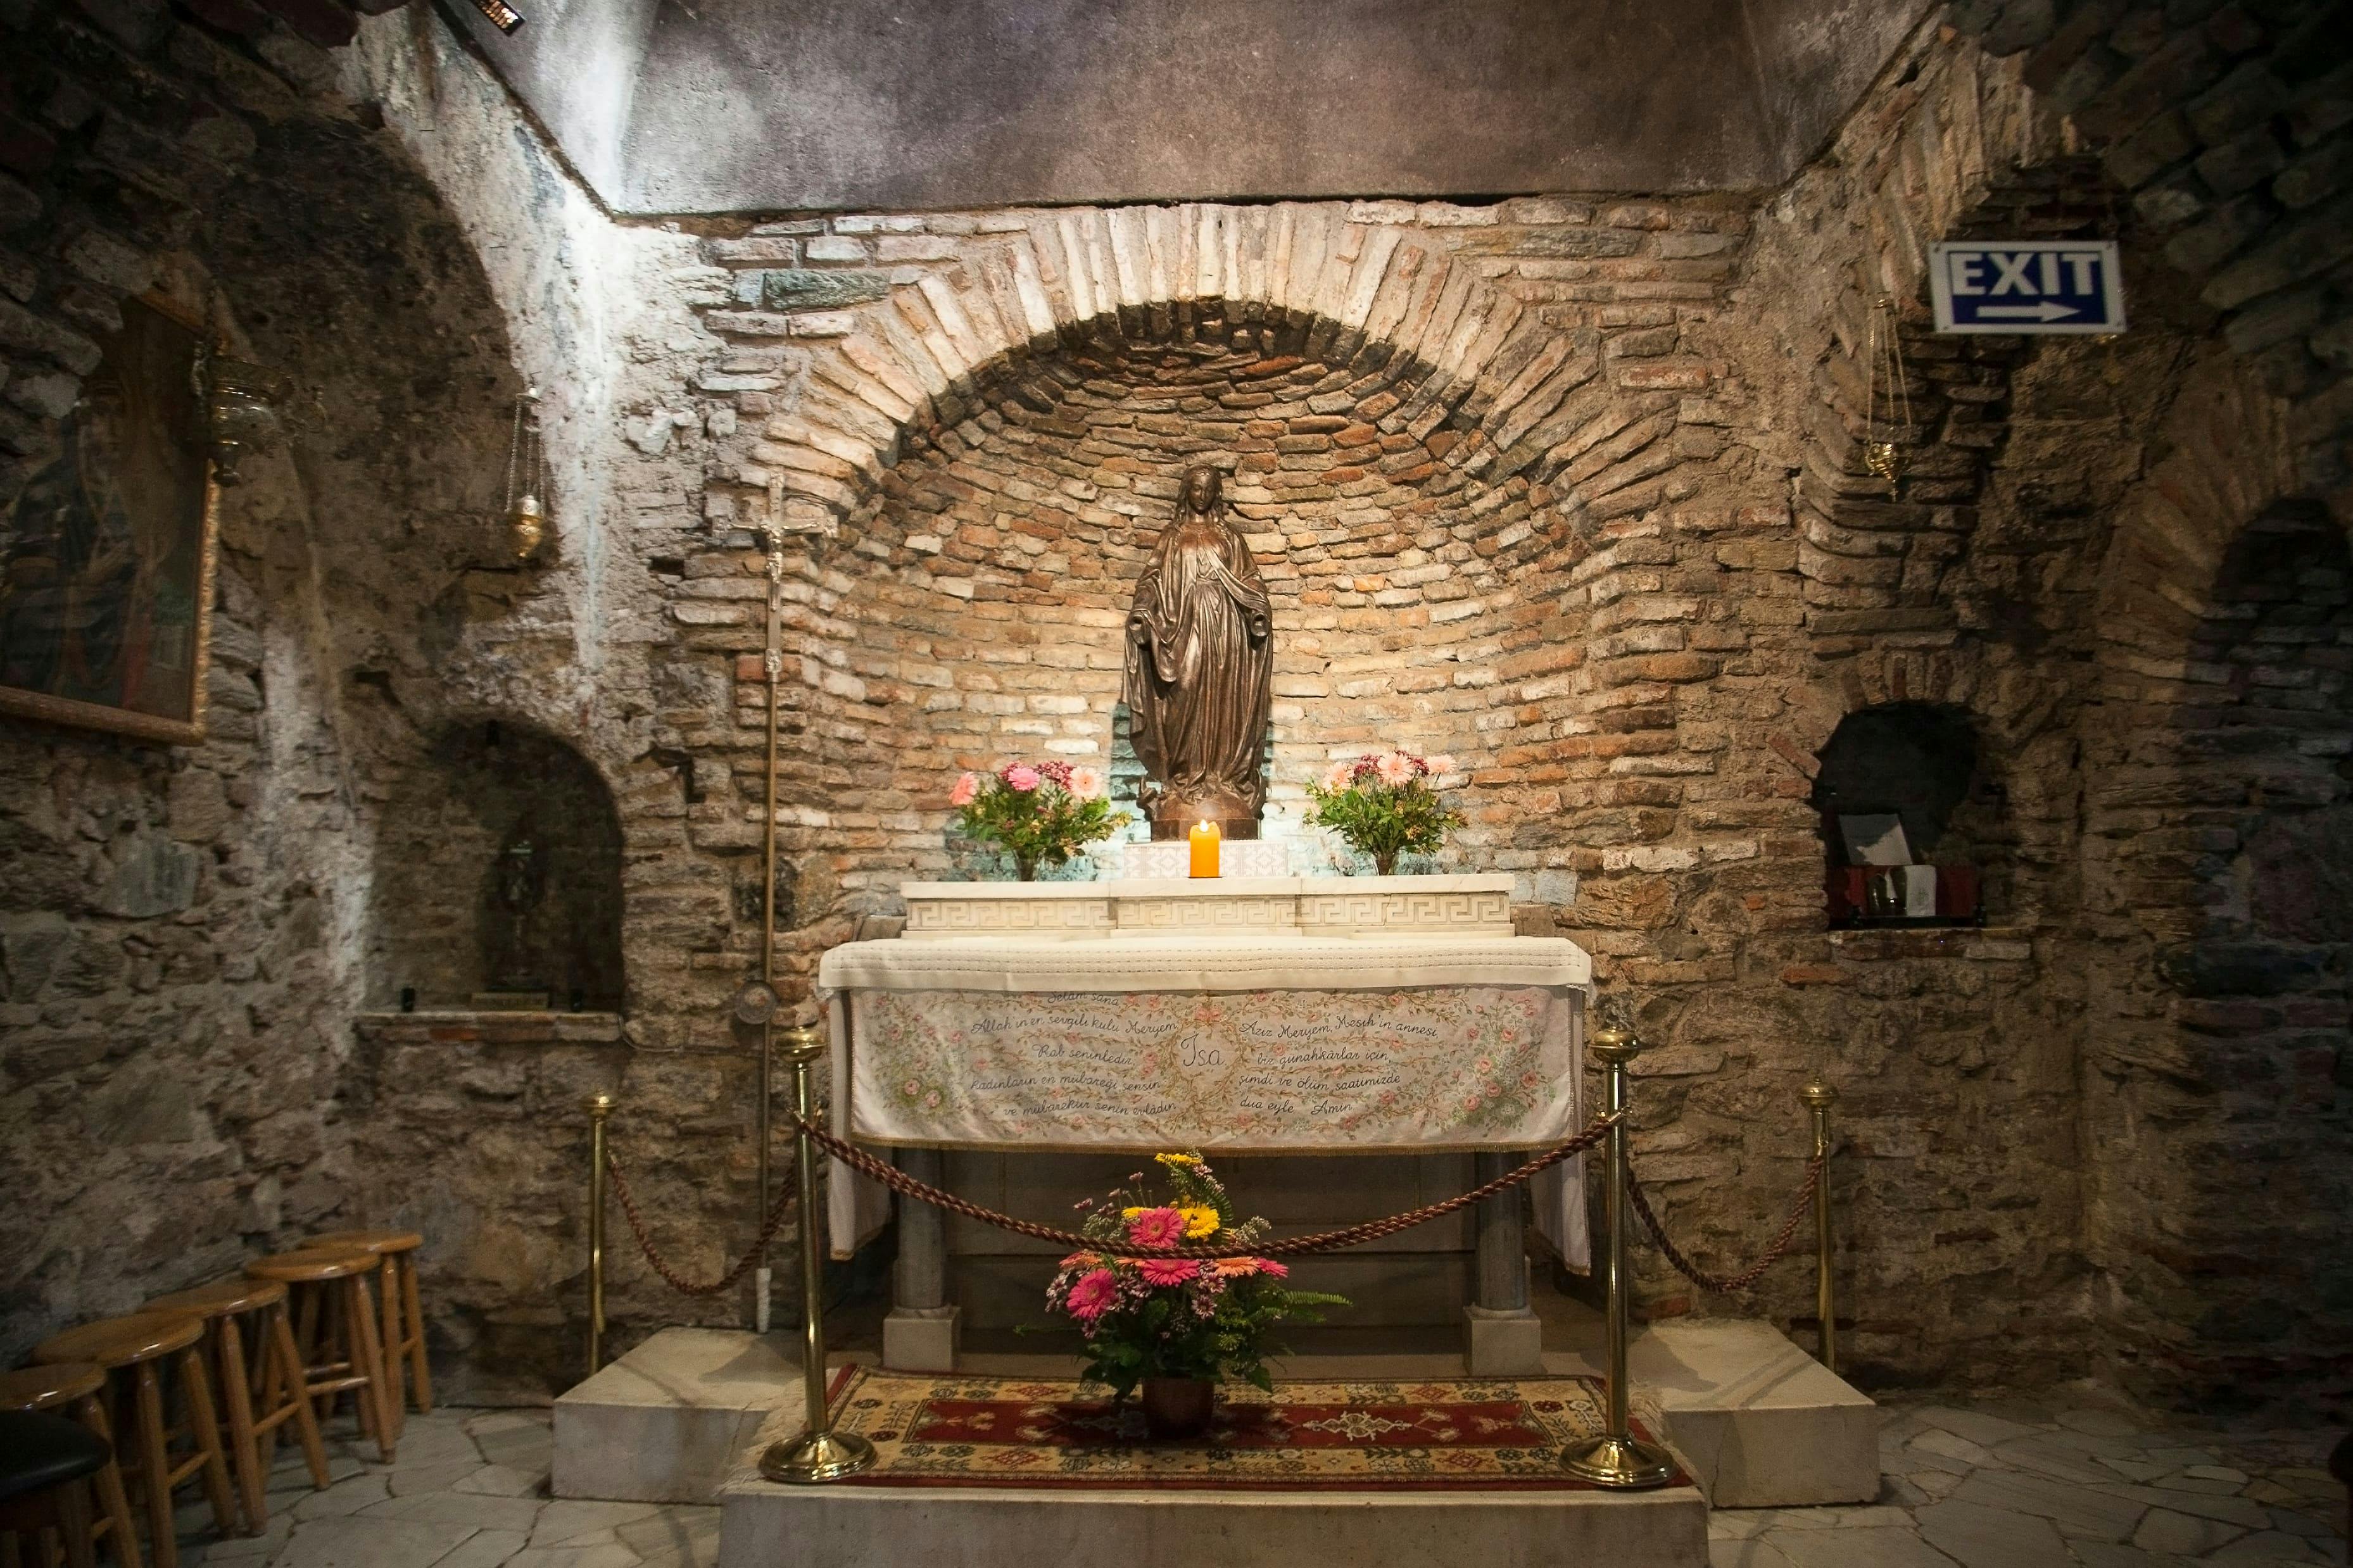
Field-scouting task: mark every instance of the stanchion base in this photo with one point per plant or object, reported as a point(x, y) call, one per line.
point(1623, 1464)
point(816, 1457)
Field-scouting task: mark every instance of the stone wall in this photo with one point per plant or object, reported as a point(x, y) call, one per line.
point(1569, 486)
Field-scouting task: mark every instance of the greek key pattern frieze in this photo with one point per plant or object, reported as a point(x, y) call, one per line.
point(1457, 913)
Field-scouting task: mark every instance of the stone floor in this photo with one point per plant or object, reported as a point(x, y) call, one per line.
point(2070, 1483)
point(2047, 1484)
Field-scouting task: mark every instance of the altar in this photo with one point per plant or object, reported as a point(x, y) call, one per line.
point(1388, 1040)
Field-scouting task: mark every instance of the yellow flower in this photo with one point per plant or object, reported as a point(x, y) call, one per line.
point(1129, 1213)
point(1198, 1222)
point(1185, 1160)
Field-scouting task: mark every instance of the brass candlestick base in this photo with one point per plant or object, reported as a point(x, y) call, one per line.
point(816, 1457)
point(1623, 1464)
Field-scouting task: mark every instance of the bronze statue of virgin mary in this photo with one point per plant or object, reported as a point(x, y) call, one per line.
point(1201, 663)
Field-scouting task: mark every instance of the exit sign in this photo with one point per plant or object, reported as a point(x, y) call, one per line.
point(2026, 286)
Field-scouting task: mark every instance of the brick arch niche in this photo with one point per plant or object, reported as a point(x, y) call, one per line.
point(994, 562)
point(497, 867)
point(2257, 858)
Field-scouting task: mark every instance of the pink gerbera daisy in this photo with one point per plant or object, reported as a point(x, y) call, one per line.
point(1094, 1295)
point(1273, 1270)
point(1021, 776)
point(1163, 1226)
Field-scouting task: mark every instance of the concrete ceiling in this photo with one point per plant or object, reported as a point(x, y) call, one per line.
point(824, 105)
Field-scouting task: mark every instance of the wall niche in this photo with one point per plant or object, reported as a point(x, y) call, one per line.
point(1913, 763)
point(498, 864)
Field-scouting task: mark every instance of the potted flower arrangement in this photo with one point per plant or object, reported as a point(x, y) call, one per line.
point(1383, 805)
point(1040, 812)
point(1177, 1324)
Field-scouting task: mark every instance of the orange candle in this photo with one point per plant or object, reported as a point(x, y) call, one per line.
point(1205, 849)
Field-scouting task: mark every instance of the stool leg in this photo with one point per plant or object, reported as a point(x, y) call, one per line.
point(306, 1332)
point(367, 1360)
point(109, 1481)
point(395, 1397)
point(289, 1358)
point(154, 1468)
point(414, 1332)
point(237, 1395)
point(339, 1346)
point(73, 1523)
point(204, 1424)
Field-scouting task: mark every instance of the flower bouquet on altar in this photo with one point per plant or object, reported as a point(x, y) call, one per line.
point(1177, 1324)
point(1040, 812)
point(1385, 805)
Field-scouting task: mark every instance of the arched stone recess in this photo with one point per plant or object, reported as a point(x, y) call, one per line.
point(1485, 414)
point(2214, 746)
point(1424, 285)
point(2021, 817)
point(498, 868)
point(1994, 122)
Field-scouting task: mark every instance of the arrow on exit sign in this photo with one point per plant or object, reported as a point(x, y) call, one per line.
point(2026, 286)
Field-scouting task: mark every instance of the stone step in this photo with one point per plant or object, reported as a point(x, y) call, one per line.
point(1759, 1423)
point(667, 1422)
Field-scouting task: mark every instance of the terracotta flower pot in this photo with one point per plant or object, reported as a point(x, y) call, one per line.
point(1177, 1406)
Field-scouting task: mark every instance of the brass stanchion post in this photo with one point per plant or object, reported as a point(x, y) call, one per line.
point(598, 1110)
point(1819, 1097)
point(1617, 1458)
point(818, 1454)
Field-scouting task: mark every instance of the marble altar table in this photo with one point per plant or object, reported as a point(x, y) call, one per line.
point(1277, 1015)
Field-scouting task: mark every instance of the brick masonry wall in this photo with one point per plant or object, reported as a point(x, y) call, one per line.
point(1570, 487)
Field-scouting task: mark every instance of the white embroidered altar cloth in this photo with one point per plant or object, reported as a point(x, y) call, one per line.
point(1293, 1045)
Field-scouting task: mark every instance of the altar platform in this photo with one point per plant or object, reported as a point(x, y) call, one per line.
point(1756, 1420)
point(1413, 1475)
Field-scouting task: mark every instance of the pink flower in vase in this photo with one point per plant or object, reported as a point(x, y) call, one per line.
point(1395, 769)
point(1086, 783)
point(1271, 1269)
point(1021, 776)
point(1094, 1295)
point(967, 790)
point(1167, 1270)
point(1339, 776)
point(1441, 763)
point(1163, 1226)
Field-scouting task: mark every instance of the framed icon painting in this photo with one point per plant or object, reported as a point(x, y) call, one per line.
point(107, 554)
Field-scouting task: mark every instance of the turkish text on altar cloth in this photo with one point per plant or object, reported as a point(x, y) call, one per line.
point(1448, 1055)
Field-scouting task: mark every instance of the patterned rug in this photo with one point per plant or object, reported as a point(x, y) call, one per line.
point(1483, 1435)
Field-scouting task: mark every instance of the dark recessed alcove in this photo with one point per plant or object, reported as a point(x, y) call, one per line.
point(1917, 762)
point(497, 869)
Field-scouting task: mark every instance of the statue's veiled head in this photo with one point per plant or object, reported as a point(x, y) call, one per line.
point(1205, 487)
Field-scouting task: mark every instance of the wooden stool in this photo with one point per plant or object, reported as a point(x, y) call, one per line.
point(43, 1460)
point(134, 1347)
point(402, 1314)
point(337, 1279)
point(279, 1366)
point(73, 1387)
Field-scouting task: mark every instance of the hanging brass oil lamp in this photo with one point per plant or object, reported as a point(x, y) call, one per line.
point(1887, 398)
point(526, 513)
point(240, 402)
